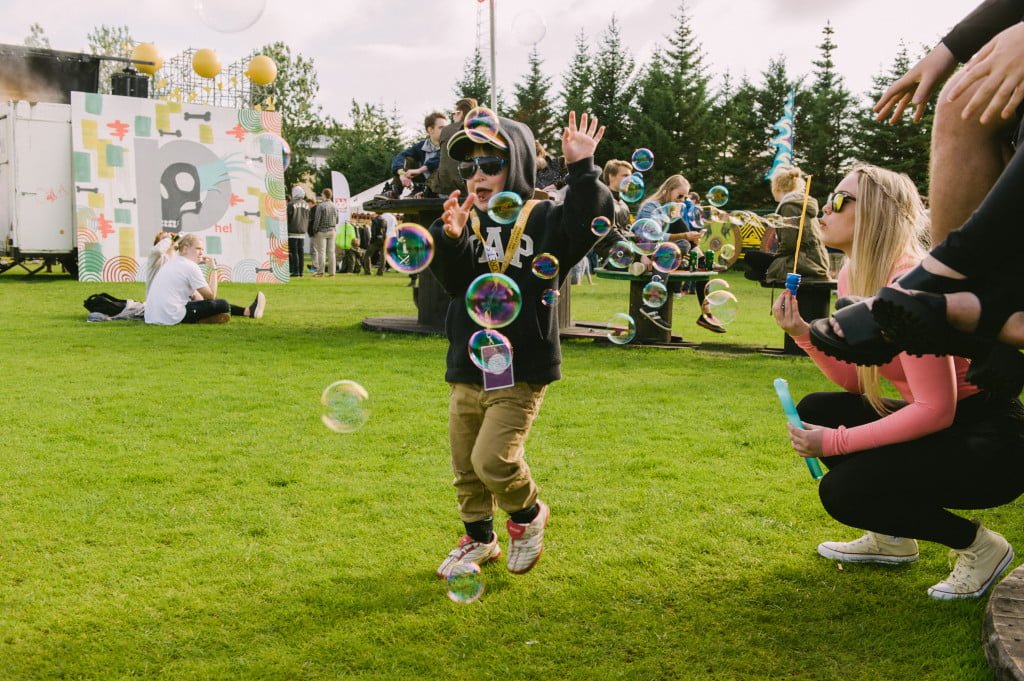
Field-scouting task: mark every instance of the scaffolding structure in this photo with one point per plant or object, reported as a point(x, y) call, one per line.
point(176, 81)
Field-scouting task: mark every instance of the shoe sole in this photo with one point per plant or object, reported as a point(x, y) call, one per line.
point(832, 554)
point(261, 305)
point(947, 596)
point(904, 325)
point(547, 517)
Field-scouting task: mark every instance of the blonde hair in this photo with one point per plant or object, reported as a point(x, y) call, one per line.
point(187, 240)
point(890, 232)
point(670, 185)
point(787, 179)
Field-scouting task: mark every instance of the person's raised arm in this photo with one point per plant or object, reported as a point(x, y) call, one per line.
point(914, 88)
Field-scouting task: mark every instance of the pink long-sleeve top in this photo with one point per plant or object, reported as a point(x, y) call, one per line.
point(930, 385)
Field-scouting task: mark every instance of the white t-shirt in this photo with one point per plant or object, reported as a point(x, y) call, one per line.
point(171, 289)
point(392, 224)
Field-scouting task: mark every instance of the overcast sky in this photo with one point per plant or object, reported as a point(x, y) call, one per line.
point(409, 53)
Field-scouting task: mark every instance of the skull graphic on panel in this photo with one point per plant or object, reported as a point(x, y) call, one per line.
point(179, 193)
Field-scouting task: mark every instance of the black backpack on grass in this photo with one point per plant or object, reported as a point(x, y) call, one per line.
point(105, 304)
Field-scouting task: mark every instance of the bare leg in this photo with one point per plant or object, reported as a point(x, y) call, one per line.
point(966, 159)
point(963, 311)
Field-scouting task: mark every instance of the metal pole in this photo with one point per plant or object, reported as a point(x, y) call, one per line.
point(494, 68)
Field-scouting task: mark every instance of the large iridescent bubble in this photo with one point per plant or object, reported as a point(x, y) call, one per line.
point(718, 195)
point(344, 406)
point(504, 207)
point(621, 328)
point(545, 266)
point(493, 300)
point(654, 294)
point(723, 306)
point(600, 226)
point(620, 255)
point(631, 189)
point(481, 125)
point(490, 351)
point(666, 257)
point(410, 249)
point(643, 159)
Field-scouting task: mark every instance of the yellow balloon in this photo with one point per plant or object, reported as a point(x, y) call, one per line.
point(261, 70)
point(206, 63)
point(148, 52)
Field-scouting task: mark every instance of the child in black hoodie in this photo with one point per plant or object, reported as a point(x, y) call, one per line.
point(487, 428)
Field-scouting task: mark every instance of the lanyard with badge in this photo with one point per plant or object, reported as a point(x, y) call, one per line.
point(498, 358)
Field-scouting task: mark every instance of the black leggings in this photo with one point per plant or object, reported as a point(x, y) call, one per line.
point(905, 489)
point(196, 310)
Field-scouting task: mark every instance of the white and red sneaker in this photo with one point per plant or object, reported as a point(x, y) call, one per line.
point(526, 542)
point(470, 550)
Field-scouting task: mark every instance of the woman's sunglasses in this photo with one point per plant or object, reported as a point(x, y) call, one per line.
point(491, 165)
point(837, 200)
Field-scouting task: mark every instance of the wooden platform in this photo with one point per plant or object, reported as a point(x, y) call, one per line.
point(1003, 629)
point(595, 331)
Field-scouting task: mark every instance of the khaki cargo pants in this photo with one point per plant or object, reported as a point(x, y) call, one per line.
point(487, 430)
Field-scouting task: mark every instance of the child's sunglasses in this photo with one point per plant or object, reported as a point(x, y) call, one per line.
point(837, 200)
point(491, 165)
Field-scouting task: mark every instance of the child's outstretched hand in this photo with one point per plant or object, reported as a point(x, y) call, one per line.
point(456, 216)
point(580, 143)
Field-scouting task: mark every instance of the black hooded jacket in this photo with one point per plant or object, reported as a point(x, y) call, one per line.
point(562, 230)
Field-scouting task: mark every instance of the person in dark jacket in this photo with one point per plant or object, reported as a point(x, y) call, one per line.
point(487, 427)
point(298, 224)
point(412, 167)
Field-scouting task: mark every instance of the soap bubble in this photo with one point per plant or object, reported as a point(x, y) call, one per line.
point(600, 226)
point(621, 328)
point(230, 16)
point(716, 285)
point(493, 300)
point(410, 249)
point(465, 584)
point(621, 255)
point(345, 406)
point(286, 153)
point(549, 297)
point(643, 159)
point(490, 350)
point(654, 294)
point(726, 252)
point(529, 28)
point(718, 196)
point(481, 125)
point(667, 257)
point(504, 207)
point(723, 306)
point(647, 229)
point(545, 266)
point(631, 189)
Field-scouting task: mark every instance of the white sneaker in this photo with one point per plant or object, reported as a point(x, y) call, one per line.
point(977, 567)
point(526, 542)
point(258, 306)
point(470, 550)
point(871, 548)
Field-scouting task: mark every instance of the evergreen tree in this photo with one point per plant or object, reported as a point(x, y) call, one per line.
point(364, 149)
point(532, 104)
point(294, 92)
point(689, 85)
point(740, 145)
point(612, 94)
point(37, 37)
point(825, 116)
point(578, 79)
point(904, 146)
point(475, 82)
point(656, 112)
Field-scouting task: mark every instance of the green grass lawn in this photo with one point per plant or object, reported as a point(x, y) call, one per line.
point(171, 507)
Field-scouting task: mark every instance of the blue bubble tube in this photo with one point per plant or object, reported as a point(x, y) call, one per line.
point(782, 390)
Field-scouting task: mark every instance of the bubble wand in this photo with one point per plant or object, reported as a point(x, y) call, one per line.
point(782, 390)
point(793, 279)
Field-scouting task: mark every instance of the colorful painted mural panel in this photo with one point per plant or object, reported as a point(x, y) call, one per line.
point(142, 166)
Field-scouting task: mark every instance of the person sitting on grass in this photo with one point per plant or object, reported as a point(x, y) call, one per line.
point(897, 466)
point(180, 294)
point(488, 420)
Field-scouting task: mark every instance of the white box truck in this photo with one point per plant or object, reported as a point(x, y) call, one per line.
point(36, 188)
